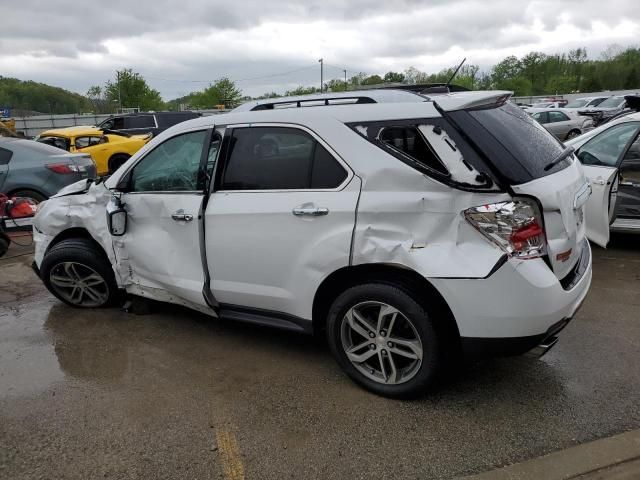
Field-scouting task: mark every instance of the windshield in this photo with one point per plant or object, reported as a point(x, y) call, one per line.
point(517, 146)
point(612, 102)
point(577, 103)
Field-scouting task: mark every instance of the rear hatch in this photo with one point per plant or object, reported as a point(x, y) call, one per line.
point(522, 154)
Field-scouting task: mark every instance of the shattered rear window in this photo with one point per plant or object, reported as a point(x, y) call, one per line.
point(409, 140)
point(433, 147)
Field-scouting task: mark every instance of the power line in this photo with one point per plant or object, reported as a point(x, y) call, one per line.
point(235, 80)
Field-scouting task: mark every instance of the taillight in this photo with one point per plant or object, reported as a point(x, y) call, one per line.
point(65, 168)
point(514, 226)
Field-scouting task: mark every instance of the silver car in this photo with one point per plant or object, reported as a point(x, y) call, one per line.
point(564, 124)
point(37, 171)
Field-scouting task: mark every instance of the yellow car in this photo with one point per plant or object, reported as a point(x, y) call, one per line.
point(108, 150)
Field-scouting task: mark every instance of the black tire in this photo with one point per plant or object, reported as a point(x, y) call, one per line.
point(573, 134)
point(402, 300)
point(4, 244)
point(117, 161)
point(32, 194)
point(84, 254)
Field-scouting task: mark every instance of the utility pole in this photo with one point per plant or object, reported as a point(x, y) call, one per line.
point(119, 97)
point(321, 76)
point(345, 80)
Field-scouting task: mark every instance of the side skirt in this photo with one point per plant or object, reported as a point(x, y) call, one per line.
point(258, 316)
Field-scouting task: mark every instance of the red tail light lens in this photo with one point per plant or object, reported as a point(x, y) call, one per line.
point(63, 168)
point(514, 226)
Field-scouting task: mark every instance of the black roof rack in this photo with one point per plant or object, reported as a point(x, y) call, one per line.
point(358, 99)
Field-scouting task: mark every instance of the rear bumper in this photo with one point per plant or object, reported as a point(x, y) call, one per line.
point(534, 345)
point(521, 306)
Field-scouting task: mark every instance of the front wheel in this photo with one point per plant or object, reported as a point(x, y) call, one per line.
point(78, 273)
point(384, 340)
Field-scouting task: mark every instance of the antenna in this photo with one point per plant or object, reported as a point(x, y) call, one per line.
point(456, 72)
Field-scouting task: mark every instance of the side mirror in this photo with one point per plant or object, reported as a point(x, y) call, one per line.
point(116, 217)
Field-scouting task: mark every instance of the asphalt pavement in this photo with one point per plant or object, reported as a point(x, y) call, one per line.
point(174, 394)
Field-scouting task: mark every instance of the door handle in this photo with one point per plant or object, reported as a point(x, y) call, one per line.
point(181, 216)
point(599, 181)
point(310, 211)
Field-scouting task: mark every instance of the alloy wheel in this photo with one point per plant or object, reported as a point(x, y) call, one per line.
point(381, 343)
point(79, 284)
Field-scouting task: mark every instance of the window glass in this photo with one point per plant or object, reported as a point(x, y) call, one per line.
point(630, 168)
point(612, 102)
point(58, 142)
point(538, 116)
point(173, 166)
point(142, 121)
point(578, 103)
point(83, 142)
point(557, 117)
point(5, 156)
point(115, 123)
point(277, 158)
point(605, 149)
point(326, 171)
point(409, 141)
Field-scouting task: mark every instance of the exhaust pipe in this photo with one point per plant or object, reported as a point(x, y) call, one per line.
point(546, 345)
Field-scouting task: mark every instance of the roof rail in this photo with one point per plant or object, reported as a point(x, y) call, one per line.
point(314, 102)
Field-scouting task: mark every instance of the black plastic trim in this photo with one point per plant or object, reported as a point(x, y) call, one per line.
point(573, 277)
point(268, 318)
point(477, 348)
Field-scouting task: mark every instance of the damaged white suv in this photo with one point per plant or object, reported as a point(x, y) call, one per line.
point(411, 230)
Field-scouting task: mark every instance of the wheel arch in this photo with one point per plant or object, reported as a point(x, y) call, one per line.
point(76, 232)
point(124, 155)
point(385, 273)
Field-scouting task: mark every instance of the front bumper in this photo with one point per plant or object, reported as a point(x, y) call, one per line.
point(522, 305)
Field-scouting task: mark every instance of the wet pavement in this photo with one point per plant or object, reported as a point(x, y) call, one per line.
point(175, 394)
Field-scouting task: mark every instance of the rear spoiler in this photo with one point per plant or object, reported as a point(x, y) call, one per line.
point(472, 100)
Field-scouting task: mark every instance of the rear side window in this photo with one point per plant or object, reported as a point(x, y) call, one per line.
point(278, 158)
point(409, 141)
point(142, 121)
point(5, 156)
point(518, 147)
point(114, 123)
point(83, 142)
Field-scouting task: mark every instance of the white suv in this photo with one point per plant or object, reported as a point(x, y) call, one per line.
point(411, 230)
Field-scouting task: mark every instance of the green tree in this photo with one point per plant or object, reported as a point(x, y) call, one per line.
point(130, 90)
point(394, 77)
point(221, 92)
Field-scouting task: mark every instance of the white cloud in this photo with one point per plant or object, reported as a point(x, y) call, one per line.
point(76, 45)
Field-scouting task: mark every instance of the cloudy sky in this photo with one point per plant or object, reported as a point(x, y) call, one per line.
point(179, 46)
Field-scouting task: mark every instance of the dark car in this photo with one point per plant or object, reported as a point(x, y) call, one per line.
point(147, 122)
point(37, 171)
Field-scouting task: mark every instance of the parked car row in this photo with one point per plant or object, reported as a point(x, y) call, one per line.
point(62, 156)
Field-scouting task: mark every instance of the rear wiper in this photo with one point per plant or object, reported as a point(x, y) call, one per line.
point(565, 153)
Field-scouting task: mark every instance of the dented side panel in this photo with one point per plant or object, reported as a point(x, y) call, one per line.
point(73, 209)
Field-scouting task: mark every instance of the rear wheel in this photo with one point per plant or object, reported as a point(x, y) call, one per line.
point(117, 161)
point(573, 134)
point(78, 273)
point(31, 194)
point(384, 340)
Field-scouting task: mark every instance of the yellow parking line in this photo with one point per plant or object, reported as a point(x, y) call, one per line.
point(229, 455)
